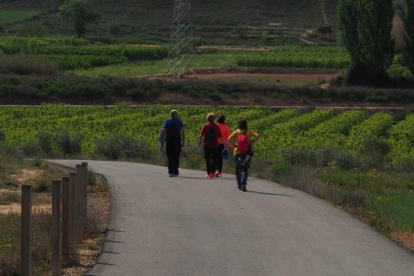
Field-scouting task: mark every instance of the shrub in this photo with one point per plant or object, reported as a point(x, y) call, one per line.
point(67, 144)
point(197, 42)
point(298, 156)
point(123, 146)
point(27, 66)
point(375, 146)
point(342, 158)
point(2, 136)
point(45, 142)
point(41, 185)
point(30, 148)
point(240, 30)
point(114, 28)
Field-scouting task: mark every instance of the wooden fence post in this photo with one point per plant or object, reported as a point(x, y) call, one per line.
point(79, 203)
point(56, 225)
point(84, 193)
point(26, 266)
point(67, 217)
point(74, 184)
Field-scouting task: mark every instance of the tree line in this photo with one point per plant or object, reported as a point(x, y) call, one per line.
point(365, 30)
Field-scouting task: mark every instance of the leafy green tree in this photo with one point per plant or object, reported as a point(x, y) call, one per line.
point(365, 29)
point(407, 17)
point(80, 13)
point(240, 30)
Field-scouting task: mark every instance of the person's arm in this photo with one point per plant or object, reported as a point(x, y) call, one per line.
point(182, 137)
point(228, 133)
point(200, 140)
point(164, 128)
point(256, 138)
point(232, 138)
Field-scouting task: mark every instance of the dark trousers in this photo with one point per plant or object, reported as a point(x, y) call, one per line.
point(240, 167)
point(210, 154)
point(173, 149)
point(219, 162)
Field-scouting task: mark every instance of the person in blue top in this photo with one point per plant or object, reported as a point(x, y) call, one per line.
point(175, 140)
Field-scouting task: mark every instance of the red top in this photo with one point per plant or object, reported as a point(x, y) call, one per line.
point(225, 130)
point(204, 132)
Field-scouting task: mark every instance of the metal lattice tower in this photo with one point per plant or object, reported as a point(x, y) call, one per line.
point(181, 51)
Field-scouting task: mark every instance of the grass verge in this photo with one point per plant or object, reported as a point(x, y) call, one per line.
point(14, 171)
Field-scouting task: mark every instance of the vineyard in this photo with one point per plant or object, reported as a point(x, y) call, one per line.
point(279, 129)
point(70, 53)
point(324, 57)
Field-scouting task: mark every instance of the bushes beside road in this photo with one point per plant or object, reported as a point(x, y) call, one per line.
point(110, 90)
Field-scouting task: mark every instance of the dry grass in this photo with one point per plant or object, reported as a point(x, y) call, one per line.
point(13, 173)
point(10, 244)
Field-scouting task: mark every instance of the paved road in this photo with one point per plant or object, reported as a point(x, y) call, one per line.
point(192, 226)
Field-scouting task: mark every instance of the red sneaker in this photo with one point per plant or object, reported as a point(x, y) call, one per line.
point(217, 173)
point(211, 175)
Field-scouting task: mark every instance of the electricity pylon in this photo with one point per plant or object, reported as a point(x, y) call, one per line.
point(181, 51)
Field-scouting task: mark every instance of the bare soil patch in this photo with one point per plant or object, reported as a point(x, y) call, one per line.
point(256, 75)
point(28, 175)
point(236, 47)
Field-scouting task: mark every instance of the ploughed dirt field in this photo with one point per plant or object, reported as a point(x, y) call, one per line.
point(257, 75)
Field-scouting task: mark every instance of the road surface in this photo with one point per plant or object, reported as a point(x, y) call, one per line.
point(192, 226)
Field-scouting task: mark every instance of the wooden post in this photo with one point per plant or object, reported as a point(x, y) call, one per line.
point(79, 204)
point(84, 193)
point(74, 184)
point(56, 226)
point(67, 216)
point(26, 266)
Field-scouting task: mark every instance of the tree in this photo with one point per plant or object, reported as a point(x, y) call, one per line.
point(241, 30)
point(407, 17)
point(80, 13)
point(365, 30)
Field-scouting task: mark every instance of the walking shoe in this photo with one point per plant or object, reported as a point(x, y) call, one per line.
point(218, 174)
point(210, 175)
point(244, 189)
point(171, 175)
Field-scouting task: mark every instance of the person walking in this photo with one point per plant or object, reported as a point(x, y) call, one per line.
point(243, 152)
point(210, 135)
point(225, 131)
point(175, 141)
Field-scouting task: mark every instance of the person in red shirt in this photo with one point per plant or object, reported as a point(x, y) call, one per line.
point(210, 135)
point(225, 131)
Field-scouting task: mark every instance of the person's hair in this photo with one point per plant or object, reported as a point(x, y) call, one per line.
point(174, 113)
point(242, 124)
point(221, 119)
point(211, 117)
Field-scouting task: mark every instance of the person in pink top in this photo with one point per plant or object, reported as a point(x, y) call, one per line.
point(225, 131)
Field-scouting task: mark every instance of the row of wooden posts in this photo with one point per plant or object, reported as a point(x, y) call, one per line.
point(69, 209)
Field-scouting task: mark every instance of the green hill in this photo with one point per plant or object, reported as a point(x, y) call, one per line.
point(299, 13)
point(148, 21)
